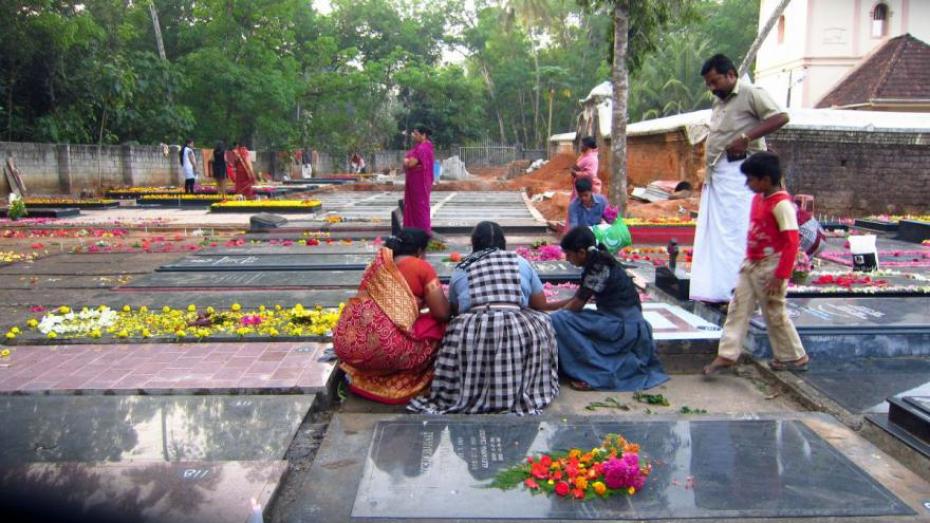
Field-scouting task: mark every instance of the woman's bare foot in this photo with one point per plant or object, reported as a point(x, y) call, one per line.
point(579, 385)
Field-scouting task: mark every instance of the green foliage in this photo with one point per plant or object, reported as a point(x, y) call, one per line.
point(278, 74)
point(651, 399)
point(609, 403)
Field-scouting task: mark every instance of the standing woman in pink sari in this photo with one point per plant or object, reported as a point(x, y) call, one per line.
point(418, 171)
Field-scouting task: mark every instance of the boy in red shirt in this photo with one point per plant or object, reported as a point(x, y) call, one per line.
point(763, 277)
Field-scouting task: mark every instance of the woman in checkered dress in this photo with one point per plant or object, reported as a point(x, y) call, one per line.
point(499, 353)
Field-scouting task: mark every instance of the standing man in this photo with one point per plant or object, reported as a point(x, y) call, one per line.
point(742, 115)
point(189, 166)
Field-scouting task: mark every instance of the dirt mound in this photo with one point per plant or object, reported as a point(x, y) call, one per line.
point(667, 209)
point(554, 175)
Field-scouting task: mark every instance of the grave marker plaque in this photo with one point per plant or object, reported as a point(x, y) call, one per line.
point(742, 468)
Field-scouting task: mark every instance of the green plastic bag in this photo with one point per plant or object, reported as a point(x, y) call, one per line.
point(615, 236)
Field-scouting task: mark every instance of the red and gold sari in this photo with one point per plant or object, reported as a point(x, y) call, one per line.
point(245, 176)
point(383, 342)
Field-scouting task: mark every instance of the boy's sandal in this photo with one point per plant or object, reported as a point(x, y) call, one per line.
point(798, 365)
point(718, 365)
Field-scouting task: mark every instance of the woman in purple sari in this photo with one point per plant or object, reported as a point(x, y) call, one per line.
point(418, 170)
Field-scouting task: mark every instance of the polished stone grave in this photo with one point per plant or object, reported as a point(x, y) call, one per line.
point(441, 467)
point(109, 429)
point(854, 327)
point(862, 385)
point(140, 458)
point(671, 322)
point(179, 492)
point(548, 270)
point(178, 299)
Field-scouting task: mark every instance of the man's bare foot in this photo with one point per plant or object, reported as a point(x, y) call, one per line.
point(718, 365)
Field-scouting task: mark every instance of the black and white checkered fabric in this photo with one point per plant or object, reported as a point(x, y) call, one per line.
point(494, 359)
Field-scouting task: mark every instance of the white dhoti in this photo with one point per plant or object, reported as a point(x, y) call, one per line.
point(720, 238)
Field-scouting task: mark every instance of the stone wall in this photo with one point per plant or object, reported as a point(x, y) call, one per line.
point(70, 169)
point(857, 173)
point(849, 173)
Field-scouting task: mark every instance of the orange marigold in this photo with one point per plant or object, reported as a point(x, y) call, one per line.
point(599, 488)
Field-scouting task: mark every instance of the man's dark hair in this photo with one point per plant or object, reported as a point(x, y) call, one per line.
point(719, 63)
point(583, 184)
point(487, 235)
point(589, 142)
point(763, 165)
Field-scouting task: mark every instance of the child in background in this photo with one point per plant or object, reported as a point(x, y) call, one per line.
point(588, 208)
point(763, 277)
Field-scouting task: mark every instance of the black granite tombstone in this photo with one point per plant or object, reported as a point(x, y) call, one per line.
point(741, 468)
point(265, 221)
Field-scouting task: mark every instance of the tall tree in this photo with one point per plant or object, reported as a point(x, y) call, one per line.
point(637, 27)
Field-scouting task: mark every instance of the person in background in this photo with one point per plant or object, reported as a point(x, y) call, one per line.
point(189, 166)
point(610, 348)
point(499, 352)
point(218, 167)
point(418, 182)
point(587, 165)
point(588, 208)
point(357, 163)
point(384, 343)
point(741, 116)
point(771, 252)
point(245, 176)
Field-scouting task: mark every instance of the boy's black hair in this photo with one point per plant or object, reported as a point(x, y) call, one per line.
point(409, 241)
point(763, 165)
point(589, 142)
point(720, 63)
point(583, 184)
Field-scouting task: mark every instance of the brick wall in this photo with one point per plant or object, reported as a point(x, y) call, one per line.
point(857, 173)
point(849, 173)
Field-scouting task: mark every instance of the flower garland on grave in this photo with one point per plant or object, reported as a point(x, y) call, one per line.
point(660, 222)
point(188, 323)
point(610, 469)
point(862, 282)
point(310, 204)
point(67, 201)
point(895, 218)
point(542, 252)
point(191, 197)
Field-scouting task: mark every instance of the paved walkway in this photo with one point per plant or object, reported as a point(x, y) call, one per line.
point(160, 368)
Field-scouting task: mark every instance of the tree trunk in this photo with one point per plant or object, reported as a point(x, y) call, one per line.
point(157, 26)
point(103, 124)
point(536, 125)
point(763, 34)
point(549, 126)
point(617, 185)
point(490, 85)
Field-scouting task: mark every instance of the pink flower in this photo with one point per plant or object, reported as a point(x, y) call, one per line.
point(37, 308)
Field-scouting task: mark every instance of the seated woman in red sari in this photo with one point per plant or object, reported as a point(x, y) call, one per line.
point(384, 343)
point(245, 176)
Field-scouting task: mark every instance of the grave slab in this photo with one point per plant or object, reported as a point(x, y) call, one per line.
point(140, 492)
point(553, 271)
point(862, 385)
point(853, 327)
point(437, 469)
point(168, 368)
point(124, 429)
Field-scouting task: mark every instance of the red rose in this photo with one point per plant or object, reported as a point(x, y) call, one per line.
point(562, 488)
point(545, 461)
point(540, 471)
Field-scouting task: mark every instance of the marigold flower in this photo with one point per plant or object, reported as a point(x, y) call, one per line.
point(64, 309)
point(574, 454)
point(599, 488)
point(631, 490)
point(581, 483)
point(578, 493)
point(52, 335)
point(166, 309)
point(235, 307)
point(191, 308)
point(143, 309)
point(5, 353)
point(10, 335)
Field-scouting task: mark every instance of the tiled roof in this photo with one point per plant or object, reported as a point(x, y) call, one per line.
point(898, 70)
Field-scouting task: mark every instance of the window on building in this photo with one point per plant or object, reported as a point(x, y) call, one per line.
point(781, 29)
point(879, 21)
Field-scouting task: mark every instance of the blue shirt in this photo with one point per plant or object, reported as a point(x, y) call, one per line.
point(458, 286)
point(578, 214)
